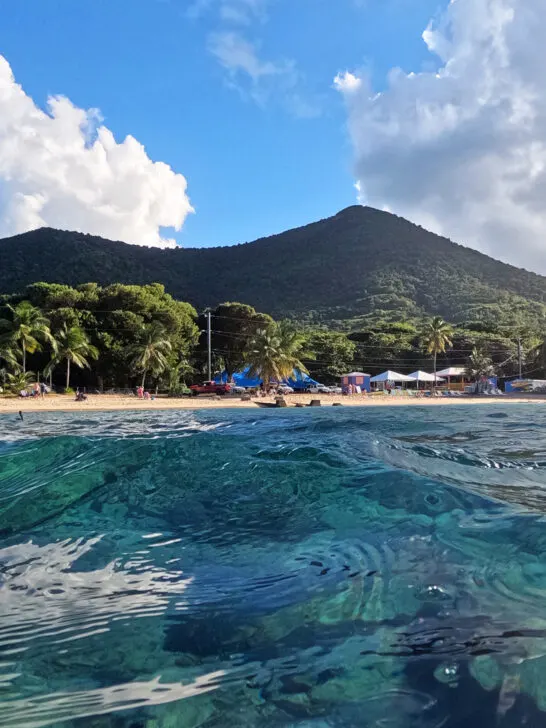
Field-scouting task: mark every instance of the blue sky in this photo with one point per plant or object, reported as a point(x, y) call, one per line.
point(259, 155)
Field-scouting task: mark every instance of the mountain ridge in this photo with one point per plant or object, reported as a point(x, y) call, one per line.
point(357, 263)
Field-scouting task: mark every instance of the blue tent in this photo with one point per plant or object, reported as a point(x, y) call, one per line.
point(241, 379)
point(297, 381)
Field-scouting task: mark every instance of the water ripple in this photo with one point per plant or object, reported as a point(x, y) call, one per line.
point(293, 568)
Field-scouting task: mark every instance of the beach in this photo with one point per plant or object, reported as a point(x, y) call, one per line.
point(111, 402)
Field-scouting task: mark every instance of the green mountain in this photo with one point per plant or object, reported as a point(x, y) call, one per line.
point(344, 270)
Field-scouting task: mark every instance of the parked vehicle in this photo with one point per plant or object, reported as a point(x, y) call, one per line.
point(236, 389)
point(336, 390)
point(210, 388)
point(320, 389)
point(284, 389)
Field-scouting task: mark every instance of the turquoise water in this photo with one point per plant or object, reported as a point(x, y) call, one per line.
point(336, 567)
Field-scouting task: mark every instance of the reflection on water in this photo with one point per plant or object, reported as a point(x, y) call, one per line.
point(382, 568)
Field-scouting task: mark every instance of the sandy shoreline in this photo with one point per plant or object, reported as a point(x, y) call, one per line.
point(110, 402)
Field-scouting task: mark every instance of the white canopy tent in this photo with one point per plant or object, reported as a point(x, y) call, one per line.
point(452, 372)
point(420, 376)
point(390, 376)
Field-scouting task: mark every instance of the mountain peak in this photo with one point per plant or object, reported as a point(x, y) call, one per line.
point(359, 262)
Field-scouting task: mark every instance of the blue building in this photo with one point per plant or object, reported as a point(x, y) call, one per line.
point(357, 379)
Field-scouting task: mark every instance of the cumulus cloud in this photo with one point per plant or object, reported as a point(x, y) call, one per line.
point(64, 169)
point(347, 82)
point(462, 149)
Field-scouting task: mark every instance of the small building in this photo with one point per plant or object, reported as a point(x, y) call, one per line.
point(456, 377)
point(356, 379)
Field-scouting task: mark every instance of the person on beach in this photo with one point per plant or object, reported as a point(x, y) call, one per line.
point(36, 388)
point(140, 392)
point(43, 389)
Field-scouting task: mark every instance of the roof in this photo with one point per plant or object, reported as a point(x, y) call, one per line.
point(356, 374)
point(452, 372)
point(390, 376)
point(420, 376)
point(243, 379)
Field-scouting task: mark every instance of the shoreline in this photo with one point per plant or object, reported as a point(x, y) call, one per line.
point(121, 403)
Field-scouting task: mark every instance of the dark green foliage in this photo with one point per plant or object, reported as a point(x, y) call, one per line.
point(334, 355)
point(341, 271)
point(233, 326)
point(114, 319)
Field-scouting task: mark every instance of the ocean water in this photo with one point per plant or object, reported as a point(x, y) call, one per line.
point(306, 568)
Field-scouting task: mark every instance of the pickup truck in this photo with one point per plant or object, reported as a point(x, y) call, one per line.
point(320, 389)
point(210, 388)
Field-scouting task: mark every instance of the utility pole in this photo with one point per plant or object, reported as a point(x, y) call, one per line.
point(520, 359)
point(209, 344)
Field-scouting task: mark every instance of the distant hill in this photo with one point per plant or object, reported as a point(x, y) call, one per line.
point(342, 270)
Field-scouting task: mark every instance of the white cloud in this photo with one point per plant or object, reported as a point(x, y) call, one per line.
point(263, 81)
point(347, 82)
point(64, 169)
point(239, 12)
point(463, 150)
point(237, 55)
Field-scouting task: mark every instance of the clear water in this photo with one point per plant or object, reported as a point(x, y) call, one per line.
point(313, 568)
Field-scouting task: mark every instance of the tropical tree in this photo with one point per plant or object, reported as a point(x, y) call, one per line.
point(7, 356)
point(479, 366)
point(17, 381)
point(334, 353)
point(150, 354)
point(26, 329)
point(437, 337)
point(233, 326)
point(72, 346)
point(275, 352)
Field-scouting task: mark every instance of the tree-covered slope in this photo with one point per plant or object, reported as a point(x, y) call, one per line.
point(341, 269)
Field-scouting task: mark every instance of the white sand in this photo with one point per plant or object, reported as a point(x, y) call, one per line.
point(54, 402)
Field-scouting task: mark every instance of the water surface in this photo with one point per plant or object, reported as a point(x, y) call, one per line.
point(334, 567)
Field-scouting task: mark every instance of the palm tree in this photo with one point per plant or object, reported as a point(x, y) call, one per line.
point(275, 352)
point(17, 381)
point(150, 354)
point(72, 345)
point(437, 338)
point(26, 329)
point(7, 355)
point(479, 365)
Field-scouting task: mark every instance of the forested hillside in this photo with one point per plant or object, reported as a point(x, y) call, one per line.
point(358, 266)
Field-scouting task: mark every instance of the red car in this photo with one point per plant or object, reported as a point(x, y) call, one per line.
point(210, 388)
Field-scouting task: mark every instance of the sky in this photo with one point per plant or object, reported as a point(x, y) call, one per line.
point(214, 122)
